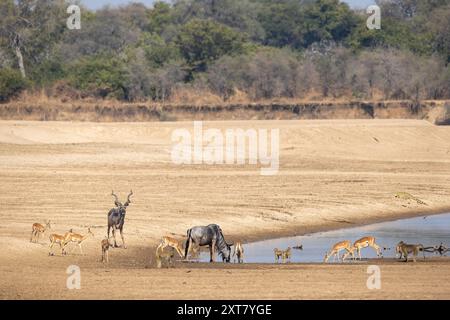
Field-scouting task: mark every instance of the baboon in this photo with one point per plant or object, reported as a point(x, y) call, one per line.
point(165, 258)
point(286, 257)
point(278, 254)
point(406, 249)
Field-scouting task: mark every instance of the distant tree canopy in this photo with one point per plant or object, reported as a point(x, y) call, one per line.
point(301, 23)
point(203, 41)
point(261, 48)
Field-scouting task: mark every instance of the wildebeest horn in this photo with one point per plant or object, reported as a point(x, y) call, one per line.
point(116, 202)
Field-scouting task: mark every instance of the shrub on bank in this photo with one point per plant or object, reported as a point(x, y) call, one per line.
point(11, 84)
point(101, 77)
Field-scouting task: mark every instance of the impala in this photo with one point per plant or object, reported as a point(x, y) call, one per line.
point(171, 242)
point(278, 254)
point(364, 243)
point(338, 247)
point(238, 252)
point(105, 248)
point(37, 229)
point(78, 238)
point(59, 239)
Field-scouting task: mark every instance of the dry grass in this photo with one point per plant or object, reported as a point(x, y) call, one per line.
point(193, 104)
point(199, 97)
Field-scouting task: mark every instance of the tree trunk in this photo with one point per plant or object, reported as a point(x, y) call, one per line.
point(20, 61)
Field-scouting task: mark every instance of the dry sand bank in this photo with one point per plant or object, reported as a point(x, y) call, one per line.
point(333, 174)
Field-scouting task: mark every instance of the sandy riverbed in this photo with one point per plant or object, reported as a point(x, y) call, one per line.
point(333, 174)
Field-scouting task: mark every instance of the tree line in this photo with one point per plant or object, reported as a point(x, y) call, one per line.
point(256, 49)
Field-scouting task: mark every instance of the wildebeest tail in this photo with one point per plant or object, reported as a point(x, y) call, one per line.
point(186, 250)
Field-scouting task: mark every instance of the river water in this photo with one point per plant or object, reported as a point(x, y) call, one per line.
point(429, 231)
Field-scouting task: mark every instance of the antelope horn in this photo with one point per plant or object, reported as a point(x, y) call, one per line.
point(128, 198)
point(116, 202)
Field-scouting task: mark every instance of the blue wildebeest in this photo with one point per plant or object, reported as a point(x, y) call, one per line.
point(116, 217)
point(211, 236)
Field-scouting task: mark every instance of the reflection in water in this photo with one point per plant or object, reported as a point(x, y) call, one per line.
point(429, 231)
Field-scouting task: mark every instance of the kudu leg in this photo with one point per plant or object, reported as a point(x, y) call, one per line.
point(123, 240)
point(114, 236)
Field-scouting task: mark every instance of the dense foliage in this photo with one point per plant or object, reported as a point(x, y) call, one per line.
point(263, 49)
point(11, 83)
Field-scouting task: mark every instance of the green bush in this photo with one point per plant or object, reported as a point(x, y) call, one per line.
point(47, 73)
point(11, 83)
point(100, 77)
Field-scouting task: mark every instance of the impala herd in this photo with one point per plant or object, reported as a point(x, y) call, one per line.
point(116, 220)
point(69, 237)
point(350, 248)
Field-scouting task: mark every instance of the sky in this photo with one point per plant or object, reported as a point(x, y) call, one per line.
point(96, 4)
